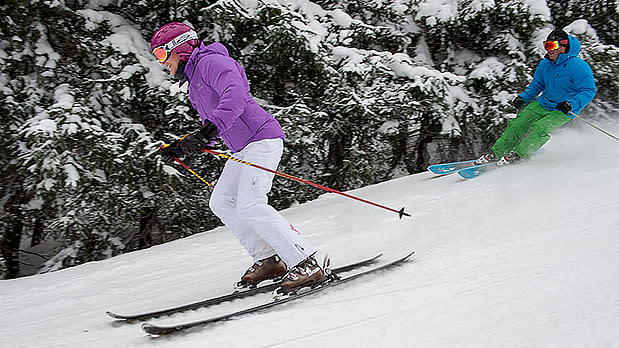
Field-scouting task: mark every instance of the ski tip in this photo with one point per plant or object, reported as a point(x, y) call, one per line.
point(432, 170)
point(114, 315)
point(147, 327)
point(151, 329)
point(155, 330)
point(436, 170)
point(402, 213)
point(463, 176)
point(468, 173)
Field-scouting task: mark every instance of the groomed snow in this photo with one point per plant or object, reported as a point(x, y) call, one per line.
point(521, 257)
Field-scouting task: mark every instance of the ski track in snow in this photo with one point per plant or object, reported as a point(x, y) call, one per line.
point(525, 256)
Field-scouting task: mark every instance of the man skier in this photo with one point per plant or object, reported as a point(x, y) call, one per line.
point(219, 91)
point(566, 84)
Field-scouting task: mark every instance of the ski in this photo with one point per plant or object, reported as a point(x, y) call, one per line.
point(475, 171)
point(229, 297)
point(448, 168)
point(157, 330)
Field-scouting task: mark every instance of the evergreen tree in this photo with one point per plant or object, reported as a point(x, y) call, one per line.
point(21, 97)
point(85, 145)
point(365, 90)
point(602, 15)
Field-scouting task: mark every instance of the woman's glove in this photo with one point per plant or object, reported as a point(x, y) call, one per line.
point(193, 143)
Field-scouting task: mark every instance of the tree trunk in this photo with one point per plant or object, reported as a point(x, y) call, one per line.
point(37, 233)
point(10, 245)
point(146, 228)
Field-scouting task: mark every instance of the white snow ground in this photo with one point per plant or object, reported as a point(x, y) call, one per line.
point(521, 257)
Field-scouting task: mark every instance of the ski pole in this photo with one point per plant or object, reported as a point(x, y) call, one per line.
point(186, 167)
point(594, 126)
point(192, 172)
point(288, 176)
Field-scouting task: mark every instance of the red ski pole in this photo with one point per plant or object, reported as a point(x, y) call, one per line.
point(287, 176)
point(186, 167)
point(192, 172)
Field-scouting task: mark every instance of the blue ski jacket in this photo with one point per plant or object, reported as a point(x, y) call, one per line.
point(568, 79)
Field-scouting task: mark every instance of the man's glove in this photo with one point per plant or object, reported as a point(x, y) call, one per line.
point(193, 143)
point(171, 151)
point(518, 102)
point(565, 107)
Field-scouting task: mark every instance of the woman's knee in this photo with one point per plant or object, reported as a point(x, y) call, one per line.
point(219, 204)
point(252, 209)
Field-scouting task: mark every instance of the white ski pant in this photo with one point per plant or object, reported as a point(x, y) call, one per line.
point(240, 200)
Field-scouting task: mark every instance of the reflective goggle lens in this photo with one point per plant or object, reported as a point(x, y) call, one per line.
point(551, 45)
point(160, 53)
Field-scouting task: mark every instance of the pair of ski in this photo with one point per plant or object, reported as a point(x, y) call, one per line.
point(465, 169)
point(334, 280)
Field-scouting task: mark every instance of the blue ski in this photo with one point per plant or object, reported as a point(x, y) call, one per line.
point(475, 171)
point(448, 168)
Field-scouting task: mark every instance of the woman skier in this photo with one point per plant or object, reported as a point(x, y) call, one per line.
point(219, 92)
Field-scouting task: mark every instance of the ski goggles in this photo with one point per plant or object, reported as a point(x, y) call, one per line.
point(553, 45)
point(163, 52)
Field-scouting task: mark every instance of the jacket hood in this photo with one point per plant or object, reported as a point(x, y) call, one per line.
point(214, 48)
point(574, 46)
point(202, 51)
point(205, 50)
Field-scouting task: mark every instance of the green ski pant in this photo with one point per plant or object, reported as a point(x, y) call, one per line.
point(529, 131)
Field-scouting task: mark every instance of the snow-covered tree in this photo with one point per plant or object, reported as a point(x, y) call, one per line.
point(366, 90)
point(602, 15)
point(85, 122)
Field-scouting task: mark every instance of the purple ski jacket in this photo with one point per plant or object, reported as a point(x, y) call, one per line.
point(219, 91)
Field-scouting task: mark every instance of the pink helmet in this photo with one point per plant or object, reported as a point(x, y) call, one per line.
point(171, 31)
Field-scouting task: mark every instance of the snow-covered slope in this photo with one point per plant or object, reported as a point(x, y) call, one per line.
point(521, 257)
